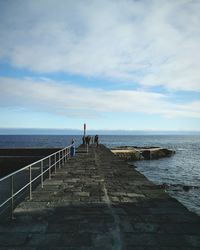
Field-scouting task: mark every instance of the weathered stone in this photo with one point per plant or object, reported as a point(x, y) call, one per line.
point(82, 194)
point(15, 238)
point(134, 195)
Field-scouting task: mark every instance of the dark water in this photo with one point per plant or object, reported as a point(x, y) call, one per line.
point(182, 169)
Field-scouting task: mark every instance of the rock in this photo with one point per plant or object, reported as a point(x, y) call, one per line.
point(128, 154)
point(135, 154)
point(164, 186)
point(146, 154)
point(156, 153)
point(186, 188)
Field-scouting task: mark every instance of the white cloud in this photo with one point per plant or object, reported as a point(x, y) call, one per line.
point(68, 100)
point(154, 42)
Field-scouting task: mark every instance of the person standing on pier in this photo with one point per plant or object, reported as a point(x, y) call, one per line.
point(83, 140)
point(72, 148)
point(96, 140)
point(87, 140)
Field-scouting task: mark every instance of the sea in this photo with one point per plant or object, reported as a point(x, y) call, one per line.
point(180, 173)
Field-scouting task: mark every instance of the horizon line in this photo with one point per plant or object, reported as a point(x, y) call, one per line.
point(127, 130)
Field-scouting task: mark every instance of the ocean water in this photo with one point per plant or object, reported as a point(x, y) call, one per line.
point(182, 169)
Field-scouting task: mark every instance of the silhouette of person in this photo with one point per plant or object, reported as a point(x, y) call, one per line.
point(96, 140)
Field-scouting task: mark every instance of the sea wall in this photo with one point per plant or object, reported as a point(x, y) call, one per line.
point(137, 153)
point(12, 159)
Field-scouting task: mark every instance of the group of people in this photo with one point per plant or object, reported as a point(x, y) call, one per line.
point(86, 141)
point(90, 139)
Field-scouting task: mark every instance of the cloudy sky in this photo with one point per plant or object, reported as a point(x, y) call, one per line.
point(114, 64)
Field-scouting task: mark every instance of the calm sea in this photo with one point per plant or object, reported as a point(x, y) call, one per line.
point(182, 169)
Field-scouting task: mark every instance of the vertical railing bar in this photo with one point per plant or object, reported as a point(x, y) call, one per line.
point(55, 162)
point(42, 174)
point(12, 200)
point(50, 168)
point(30, 183)
point(63, 160)
point(59, 159)
point(65, 155)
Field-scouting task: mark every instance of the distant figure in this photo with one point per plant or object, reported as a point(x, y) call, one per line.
point(87, 140)
point(83, 139)
point(96, 140)
point(72, 149)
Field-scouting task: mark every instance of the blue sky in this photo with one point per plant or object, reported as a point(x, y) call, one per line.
point(131, 65)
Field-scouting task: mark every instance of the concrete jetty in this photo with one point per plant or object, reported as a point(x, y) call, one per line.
point(98, 201)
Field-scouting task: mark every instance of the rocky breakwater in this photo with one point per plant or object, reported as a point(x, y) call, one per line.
point(142, 153)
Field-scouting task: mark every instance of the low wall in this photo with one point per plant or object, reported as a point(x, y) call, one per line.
point(12, 159)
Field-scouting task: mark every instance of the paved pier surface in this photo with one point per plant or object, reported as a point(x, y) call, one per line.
point(97, 201)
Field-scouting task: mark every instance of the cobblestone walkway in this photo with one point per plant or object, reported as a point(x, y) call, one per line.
point(97, 201)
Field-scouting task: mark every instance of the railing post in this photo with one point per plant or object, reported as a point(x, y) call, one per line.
point(42, 174)
point(12, 200)
point(50, 168)
point(59, 159)
point(63, 160)
point(65, 155)
point(30, 183)
point(55, 162)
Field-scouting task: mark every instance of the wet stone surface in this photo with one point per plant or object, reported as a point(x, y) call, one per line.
point(97, 201)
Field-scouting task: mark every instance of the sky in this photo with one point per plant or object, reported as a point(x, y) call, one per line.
point(113, 64)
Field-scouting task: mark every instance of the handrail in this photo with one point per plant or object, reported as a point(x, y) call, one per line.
point(21, 169)
point(62, 155)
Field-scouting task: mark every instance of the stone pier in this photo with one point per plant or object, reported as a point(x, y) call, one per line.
point(98, 201)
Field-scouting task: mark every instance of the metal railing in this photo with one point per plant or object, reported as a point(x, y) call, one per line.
point(29, 174)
